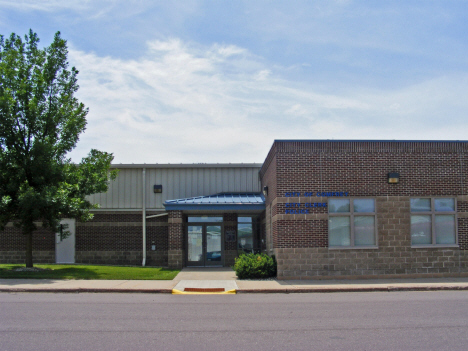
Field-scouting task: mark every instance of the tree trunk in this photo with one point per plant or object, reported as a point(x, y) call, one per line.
point(29, 255)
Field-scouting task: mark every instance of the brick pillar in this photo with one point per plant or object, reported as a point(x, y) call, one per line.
point(176, 251)
point(230, 248)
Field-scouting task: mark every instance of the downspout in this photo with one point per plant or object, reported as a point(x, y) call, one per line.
point(143, 206)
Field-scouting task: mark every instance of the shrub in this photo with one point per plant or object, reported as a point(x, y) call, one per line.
point(255, 266)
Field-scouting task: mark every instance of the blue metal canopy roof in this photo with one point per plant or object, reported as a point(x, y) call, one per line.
point(224, 201)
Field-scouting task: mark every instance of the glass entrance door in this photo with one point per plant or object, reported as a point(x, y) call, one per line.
point(213, 245)
point(204, 245)
point(195, 246)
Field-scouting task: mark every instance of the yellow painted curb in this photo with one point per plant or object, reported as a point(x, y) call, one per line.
point(178, 292)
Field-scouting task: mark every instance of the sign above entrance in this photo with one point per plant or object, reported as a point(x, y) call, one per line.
point(318, 194)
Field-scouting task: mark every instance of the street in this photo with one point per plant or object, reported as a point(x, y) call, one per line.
point(336, 321)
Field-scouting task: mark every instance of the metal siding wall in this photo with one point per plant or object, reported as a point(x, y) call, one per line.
point(150, 182)
point(243, 180)
point(200, 181)
point(237, 181)
point(136, 188)
point(163, 174)
point(189, 174)
point(175, 183)
point(227, 178)
point(208, 180)
point(115, 191)
point(125, 191)
point(123, 181)
point(218, 181)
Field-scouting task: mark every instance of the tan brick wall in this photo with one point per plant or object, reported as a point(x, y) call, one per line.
point(321, 263)
point(110, 238)
point(301, 257)
point(14, 257)
point(153, 258)
point(176, 259)
point(229, 257)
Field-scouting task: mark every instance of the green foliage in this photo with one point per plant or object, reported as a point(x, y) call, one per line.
point(40, 122)
point(255, 266)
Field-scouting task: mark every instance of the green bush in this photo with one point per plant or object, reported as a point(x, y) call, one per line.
point(255, 266)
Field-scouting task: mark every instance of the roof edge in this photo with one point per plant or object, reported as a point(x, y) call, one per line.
point(187, 165)
point(208, 207)
point(369, 141)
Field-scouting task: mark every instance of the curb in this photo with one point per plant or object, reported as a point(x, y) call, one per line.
point(201, 292)
point(244, 291)
point(338, 290)
point(86, 290)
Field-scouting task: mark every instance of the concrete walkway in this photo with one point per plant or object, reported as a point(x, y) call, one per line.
point(225, 278)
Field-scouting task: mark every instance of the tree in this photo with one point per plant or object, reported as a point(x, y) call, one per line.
point(41, 121)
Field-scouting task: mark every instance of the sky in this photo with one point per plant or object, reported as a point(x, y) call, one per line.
point(219, 81)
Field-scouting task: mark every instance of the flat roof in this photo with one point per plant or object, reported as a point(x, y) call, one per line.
point(186, 165)
point(223, 201)
point(370, 141)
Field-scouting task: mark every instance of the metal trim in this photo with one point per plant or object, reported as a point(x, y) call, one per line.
point(188, 165)
point(369, 141)
point(210, 207)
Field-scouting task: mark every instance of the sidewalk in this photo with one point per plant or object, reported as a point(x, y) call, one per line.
point(206, 279)
point(322, 286)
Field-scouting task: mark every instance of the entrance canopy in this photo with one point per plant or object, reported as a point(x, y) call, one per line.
point(221, 202)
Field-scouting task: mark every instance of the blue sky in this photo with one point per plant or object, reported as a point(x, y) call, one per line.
point(218, 81)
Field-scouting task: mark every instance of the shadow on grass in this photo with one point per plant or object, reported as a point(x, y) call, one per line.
point(87, 272)
point(69, 272)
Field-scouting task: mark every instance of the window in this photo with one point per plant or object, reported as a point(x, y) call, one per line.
point(351, 223)
point(433, 221)
point(201, 219)
point(245, 234)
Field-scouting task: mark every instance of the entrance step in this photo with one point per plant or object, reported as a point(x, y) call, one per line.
point(205, 287)
point(202, 273)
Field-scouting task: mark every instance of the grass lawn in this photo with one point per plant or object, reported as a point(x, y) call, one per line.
point(69, 271)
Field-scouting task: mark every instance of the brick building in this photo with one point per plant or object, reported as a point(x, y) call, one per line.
point(324, 208)
point(367, 208)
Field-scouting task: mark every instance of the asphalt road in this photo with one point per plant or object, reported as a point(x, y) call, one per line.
point(336, 321)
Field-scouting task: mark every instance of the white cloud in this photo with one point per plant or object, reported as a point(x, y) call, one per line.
point(47, 5)
point(230, 50)
point(188, 103)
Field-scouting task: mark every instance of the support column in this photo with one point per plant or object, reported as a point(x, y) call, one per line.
point(230, 248)
point(176, 251)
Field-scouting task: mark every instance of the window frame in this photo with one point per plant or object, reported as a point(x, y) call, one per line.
point(255, 239)
point(351, 214)
point(201, 219)
point(433, 213)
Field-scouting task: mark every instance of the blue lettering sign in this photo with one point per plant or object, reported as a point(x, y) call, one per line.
point(307, 205)
point(297, 211)
point(292, 194)
point(331, 193)
point(292, 204)
point(319, 194)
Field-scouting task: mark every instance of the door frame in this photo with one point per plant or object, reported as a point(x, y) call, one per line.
point(204, 262)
